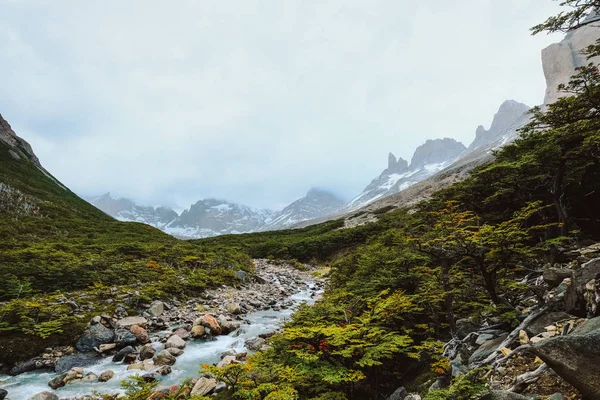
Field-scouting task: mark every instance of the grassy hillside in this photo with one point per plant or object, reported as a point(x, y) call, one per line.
point(55, 247)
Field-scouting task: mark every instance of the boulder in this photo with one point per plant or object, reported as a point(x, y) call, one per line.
point(204, 386)
point(44, 396)
point(233, 308)
point(156, 308)
point(539, 324)
point(146, 352)
point(128, 322)
point(150, 377)
point(164, 358)
point(122, 353)
point(106, 376)
point(208, 321)
point(94, 336)
point(226, 361)
point(81, 360)
point(399, 394)
point(182, 333)
point(554, 276)
point(124, 337)
point(227, 324)
point(63, 379)
point(175, 341)
point(198, 332)
point(255, 344)
point(164, 370)
point(140, 334)
point(3, 394)
point(175, 351)
point(143, 366)
point(90, 377)
point(22, 367)
point(105, 348)
point(576, 358)
point(577, 298)
point(486, 349)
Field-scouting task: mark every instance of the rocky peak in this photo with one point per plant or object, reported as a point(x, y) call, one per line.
point(559, 60)
point(436, 151)
point(396, 166)
point(19, 147)
point(505, 119)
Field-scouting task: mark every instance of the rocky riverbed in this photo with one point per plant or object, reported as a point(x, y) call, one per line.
point(168, 340)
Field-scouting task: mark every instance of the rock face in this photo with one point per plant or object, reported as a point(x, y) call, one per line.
point(576, 358)
point(203, 387)
point(429, 158)
point(317, 203)
point(559, 60)
point(508, 118)
point(19, 147)
point(44, 396)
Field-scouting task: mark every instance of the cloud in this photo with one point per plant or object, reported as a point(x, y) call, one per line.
point(255, 101)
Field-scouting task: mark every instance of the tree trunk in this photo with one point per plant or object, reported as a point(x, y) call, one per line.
point(489, 282)
point(558, 194)
point(449, 298)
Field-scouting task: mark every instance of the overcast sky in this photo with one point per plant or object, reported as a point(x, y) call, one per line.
point(168, 102)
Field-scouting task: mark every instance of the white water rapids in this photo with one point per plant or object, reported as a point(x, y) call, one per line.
point(22, 387)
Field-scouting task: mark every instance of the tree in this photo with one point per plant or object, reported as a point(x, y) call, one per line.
point(570, 20)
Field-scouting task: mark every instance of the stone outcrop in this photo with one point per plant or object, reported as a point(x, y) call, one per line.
point(436, 151)
point(559, 60)
point(576, 358)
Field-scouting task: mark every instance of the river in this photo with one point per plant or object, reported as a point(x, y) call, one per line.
point(23, 386)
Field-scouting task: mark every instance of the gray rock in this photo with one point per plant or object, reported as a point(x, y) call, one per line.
point(106, 376)
point(3, 394)
point(413, 397)
point(554, 276)
point(484, 337)
point(576, 358)
point(399, 394)
point(124, 337)
point(81, 360)
point(255, 344)
point(203, 386)
point(587, 326)
point(122, 353)
point(539, 324)
point(147, 352)
point(486, 349)
point(157, 308)
point(164, 358)
point(44, 396)
point(164, 370)
point(22, 367)
point(175, 341)
point(94, 336)
point(175, 351)
point(127, 322)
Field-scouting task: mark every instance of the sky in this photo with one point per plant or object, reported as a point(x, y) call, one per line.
point(256, 101)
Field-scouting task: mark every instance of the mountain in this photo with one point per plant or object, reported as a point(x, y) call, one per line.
point(27, 190)
point(316, 204)
point(212, 217)
point(127, 210)
point(504, 126)
point(429, 158)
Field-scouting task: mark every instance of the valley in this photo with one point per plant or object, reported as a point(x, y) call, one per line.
point(469, 273)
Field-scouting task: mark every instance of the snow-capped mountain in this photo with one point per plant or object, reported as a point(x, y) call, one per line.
point(127, 210)
point(429, 158)
point(316, 204)
point(212, 217)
